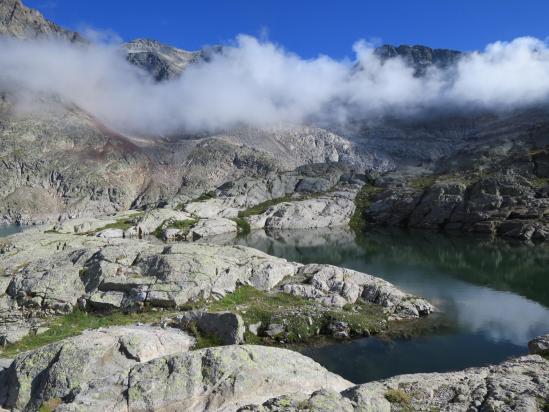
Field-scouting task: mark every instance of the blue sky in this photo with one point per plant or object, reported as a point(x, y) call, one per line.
point(308, 27)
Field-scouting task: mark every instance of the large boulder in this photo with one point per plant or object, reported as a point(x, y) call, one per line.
point(328, 210)
point(539, 345)
point(89, 369)
point(226, 326)
point(224, 378)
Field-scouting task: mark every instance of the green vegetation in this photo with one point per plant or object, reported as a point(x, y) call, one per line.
point(242, 225)
point(539, 182)
point(50, 405)
point(543, 404)
point(123, 223)
point(74, 324)
point(422, 182)
point(263, 206)
point(205, 196)
point(184, 225)
point(303, 319)
point(363, 200)
point(203, 340)
point(399, 397)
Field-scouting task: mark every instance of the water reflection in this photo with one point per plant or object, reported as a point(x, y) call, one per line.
point(496, 293)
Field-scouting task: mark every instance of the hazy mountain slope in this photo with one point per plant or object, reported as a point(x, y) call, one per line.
point(22, 22)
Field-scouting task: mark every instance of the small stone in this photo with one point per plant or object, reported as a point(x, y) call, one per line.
point(254, 328)
point(275, 329)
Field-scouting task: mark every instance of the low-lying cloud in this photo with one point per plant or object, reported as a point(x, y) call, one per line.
point(258, 83)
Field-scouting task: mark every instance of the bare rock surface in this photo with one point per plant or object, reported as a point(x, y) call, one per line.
point(520, 384)
point(335, 286)
point(539, 345)
point(90, 370)
point(224, 378)
point(328, 210)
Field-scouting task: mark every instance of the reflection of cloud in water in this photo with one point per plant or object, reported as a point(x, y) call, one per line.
point(449, 271)
point(501, 315)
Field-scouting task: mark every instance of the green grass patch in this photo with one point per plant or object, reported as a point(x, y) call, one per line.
point(422, 182)
point(74, 324)
point(205, 196)
point(184, 225)
point(539, 182)
point(50, 405)
point(242, 225)
point(263, 206)
point(363, 201)
point(124, 223)
point(303, 319)
point(399, 397)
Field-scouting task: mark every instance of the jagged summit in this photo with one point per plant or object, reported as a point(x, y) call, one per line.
point(22, 22)
point(163, 62)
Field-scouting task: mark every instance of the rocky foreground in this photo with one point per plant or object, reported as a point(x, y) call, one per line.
point(143, 368)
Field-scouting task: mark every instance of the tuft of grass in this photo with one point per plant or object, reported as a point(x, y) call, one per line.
point(242, 225)
point(399, 397)
point(50, 405)
point(205, 196)
point(363, 200)
point(263, 206)
point(184, 225)
point(203, 340)
point(302, 318)
point(74, 324)
point(539, 182)
point(124, 223)
point(422, 182)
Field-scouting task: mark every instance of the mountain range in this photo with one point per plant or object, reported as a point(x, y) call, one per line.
point(63, 162)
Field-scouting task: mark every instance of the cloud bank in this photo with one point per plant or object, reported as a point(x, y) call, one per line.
point(258, 83)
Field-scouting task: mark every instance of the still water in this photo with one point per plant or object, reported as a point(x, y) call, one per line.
point(494, 295)
point(6, 230)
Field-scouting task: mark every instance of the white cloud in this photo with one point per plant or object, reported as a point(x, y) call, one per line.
point(259, 83)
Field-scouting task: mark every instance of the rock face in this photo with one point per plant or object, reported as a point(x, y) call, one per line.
point(239, 375)
point(420, 57)
point(509, 206)
point(313, 196)
point(90, 370)
point(516, 385)
point(146, 368)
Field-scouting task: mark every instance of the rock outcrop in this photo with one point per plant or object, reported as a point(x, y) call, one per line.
point(520, 384)
point(89, 370)
point(146, 368)
point(507, 195)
